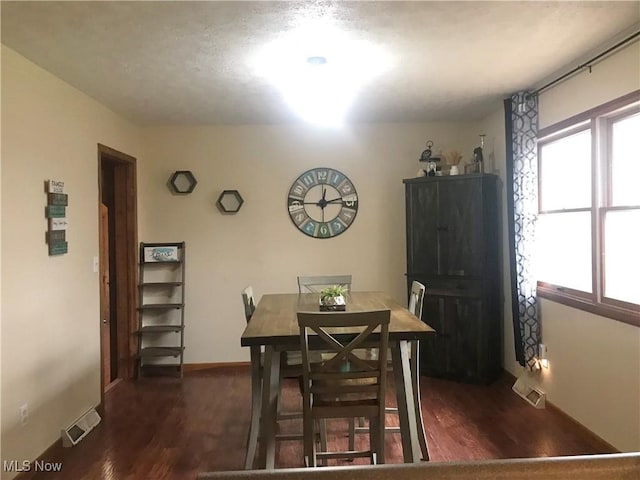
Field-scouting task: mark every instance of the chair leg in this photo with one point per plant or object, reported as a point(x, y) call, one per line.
point(323, 438)
point(373, 439)
point(352, 435)
point(308, 440)
point(256, 405)
point(376, 439)
point(314, 456)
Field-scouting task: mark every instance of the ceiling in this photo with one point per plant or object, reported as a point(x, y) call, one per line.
point(171, 63)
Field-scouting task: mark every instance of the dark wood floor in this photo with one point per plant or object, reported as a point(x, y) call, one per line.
point(165, 428)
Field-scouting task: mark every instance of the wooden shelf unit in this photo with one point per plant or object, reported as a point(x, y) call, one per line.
point(161, 307)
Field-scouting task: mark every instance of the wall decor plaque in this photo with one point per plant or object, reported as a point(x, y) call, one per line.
point(58, 248)
point(161, 254)
point(56, 214)
point(58, 199)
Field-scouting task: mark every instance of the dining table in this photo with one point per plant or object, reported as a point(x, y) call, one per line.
point(274, 328)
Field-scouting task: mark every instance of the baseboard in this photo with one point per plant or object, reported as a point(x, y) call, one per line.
point(509, 377)
point(112, 384)
point(196, 367)
point(553, 407)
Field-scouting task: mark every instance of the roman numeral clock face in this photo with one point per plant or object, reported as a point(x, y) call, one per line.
point(322, 203)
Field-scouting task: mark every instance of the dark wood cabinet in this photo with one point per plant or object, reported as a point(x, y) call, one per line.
point(453, 248)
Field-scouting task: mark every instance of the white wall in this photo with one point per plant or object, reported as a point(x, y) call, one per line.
point(50, 304)
point(594, 373)
point(260, 246)
point(0, 273)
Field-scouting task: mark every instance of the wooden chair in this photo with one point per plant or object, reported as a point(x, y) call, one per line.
point(416, 299)
point(316, 283)
point(256, 384)
point(343, 385)
point(292, 361)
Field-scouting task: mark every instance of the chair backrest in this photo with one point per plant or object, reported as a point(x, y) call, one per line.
point(249, 303)
point(342, 373)
point(315, 283)
point(416, 298)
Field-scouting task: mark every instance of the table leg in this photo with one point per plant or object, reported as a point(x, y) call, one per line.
point(256, 396)
point(406, 408)
point(415, 383)
point(269, 416)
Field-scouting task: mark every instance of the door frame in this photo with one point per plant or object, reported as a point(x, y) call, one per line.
point(105, 303)
point(126, 250)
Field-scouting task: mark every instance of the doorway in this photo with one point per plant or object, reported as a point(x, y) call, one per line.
point(118, 241)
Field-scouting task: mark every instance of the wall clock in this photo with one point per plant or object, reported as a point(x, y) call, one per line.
point(322, 202)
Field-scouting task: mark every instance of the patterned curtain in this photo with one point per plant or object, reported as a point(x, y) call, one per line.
point(521, 122)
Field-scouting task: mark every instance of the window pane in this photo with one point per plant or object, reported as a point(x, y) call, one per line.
point(565, 172)
point(622, 256)
point(625, 161)
point(563, 250)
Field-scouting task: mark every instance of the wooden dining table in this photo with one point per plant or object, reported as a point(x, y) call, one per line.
point(274, 327)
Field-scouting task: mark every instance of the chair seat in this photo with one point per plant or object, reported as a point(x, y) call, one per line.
point(340, 398)
point(294, 357)
point(355, 402)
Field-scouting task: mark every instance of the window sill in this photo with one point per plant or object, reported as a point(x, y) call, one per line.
point(630, 317)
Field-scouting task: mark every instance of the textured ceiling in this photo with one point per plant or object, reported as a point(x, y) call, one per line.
point(167, 63)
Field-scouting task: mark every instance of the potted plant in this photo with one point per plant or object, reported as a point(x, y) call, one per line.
point(453, 158)
point(333, 296)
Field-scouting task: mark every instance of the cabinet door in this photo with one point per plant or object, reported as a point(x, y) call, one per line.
point(454, 351)
point(422, 234)
point(460, 233)
point(433, 355)
point(463, 317)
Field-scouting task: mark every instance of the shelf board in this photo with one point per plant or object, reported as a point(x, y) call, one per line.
point(155, 352)
point(161, 284)
point(167, 262)
point(160, 329)
point(161, 306)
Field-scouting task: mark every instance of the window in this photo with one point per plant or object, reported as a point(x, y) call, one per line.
point(588, 231)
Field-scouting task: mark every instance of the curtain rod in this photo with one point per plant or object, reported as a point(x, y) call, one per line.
point(587, 64)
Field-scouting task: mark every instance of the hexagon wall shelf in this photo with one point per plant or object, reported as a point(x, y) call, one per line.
point(230, 201)
point(183, 182)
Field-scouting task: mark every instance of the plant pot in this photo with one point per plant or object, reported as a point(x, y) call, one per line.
point(330, 301)
point(333, 304)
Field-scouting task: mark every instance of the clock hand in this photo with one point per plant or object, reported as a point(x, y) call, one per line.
point(322, 202)
point(334, 200)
